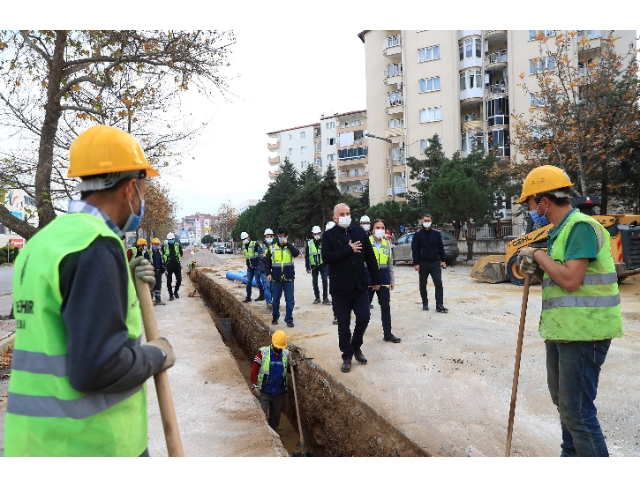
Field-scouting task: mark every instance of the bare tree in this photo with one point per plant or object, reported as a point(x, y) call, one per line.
point(227, 217)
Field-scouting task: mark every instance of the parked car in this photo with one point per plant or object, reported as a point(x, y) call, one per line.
point(218, 249)
point(228, 250)
point(402, 248)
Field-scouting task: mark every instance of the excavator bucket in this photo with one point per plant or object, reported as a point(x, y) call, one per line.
point(489, 268)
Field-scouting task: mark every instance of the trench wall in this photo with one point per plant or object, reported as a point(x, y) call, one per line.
point(334, 421)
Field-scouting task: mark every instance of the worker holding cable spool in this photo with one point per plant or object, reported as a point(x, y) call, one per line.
point(581, 310)
point(79, 370)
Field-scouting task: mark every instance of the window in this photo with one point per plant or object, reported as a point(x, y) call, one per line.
point(318, 146)
point(499, 142)
point(591, 34)
point(544, 64)
point(429, 84)
point(394, 69)
point(396, 154)
point(425, 144)
point(357, 172)
point(546, 33)
point(318, 161)
point(428, 53)
point(537, 101)
point(395, 123)
point(392, 41)
point(430, 114)
point(303, 150)
point(472, 140)
point(290, 151)
point(290, 136)
point(331, 157)
point(331, 125)
point(497, 111)
point(303, 135)
point(470, 117)
point(470, 47)
point(304, 164)
point(471, 78)
point(331, 141)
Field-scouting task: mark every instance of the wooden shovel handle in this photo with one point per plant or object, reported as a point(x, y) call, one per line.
point(295, 397)
point(516, 373)
point(167, 411)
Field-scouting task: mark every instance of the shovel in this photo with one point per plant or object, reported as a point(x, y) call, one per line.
point(303, 452)
point(516, 373)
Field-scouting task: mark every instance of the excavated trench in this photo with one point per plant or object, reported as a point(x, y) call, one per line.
point(334, 421)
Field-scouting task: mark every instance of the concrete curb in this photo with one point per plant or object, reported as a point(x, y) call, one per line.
point(7, 343)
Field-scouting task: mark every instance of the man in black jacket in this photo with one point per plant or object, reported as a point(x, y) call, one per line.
point(346, 248)
point(428, 257)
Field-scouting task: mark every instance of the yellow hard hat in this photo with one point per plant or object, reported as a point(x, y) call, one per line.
point(279, 339)
point(155, 241)
point(102, 149)
point(543, 179)
point(141, 241)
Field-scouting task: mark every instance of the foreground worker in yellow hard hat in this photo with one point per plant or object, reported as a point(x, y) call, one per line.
point(77, 385)
point(269, 377)
point(580, 306)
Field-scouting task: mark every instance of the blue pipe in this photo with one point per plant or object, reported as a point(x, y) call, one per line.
point(240, 276)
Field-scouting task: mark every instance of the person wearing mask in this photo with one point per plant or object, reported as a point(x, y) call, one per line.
point(251, 250)
point(281, 274)
point(266, 285)
point(141, 249)
point(172, 256)
point(77, 386)
point(159, 269)
point(428, 259)
point(538, 220)
point(346, 248)
point(313, 263)
point(365, 223)
point(384, 258)
point(581, 307)
point(269, 377)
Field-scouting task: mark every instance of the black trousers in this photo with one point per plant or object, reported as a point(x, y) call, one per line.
point(178, 273)
point(433, 269)
point(342, 307)
point(384, 300)
point(272, 406)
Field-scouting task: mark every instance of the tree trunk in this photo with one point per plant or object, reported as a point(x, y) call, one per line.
point(470, 248)
point(53, 111)
point(604, 190)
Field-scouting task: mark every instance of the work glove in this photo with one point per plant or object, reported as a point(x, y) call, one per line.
point(255, 391)
point(165, 346)
point(143, 269)
point(526, 261)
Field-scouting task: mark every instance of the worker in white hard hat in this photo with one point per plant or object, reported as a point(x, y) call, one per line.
point(365, 223)
point(267, 243)
point(314, 264)
point(252, 252)
point(172, 254)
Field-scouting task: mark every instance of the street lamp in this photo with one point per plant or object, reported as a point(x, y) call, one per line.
point(374, 136)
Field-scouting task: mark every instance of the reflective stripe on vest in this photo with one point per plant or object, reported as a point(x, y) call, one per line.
point(315, 255)
point(45, 415)
point(282, 265)
point(593, 311)
point(383, 261)
point(266, 360)
point(167, 252)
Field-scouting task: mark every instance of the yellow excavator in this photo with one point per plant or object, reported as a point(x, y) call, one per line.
point(624, 231)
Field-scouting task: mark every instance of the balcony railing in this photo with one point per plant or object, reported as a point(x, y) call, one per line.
point(355, 189)
point(496, 57)
point(392, 41)
point(397, 190)
point(472, 126)
point(274, 146)
point(496, 89)
point(394, 132)
point(393, 70)
point(274, 160)
point(394, 99)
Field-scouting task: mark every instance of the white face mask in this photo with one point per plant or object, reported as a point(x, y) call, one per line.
point(246, 240)
point(366, 227)
point(269, 240)
point(317, 237)
point(344, 221)
point(426, 224)
point(379, 233)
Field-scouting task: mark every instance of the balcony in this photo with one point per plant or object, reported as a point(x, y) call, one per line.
point(466, 33)
point(392, 46)
point(495, 35)
point(274, 160)
point(398, 190)
point(351, 128)
point(395, 132)
point(343, 178)
point(395, 103)
point(274, 174)
point(355, 190)
point(393, 74)
point(499, 88)
point(352, 162)
point(472, 126)
point(471, 93)
point(274, 146)
point(496, 60)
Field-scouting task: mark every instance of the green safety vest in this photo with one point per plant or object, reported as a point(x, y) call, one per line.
point(593, 311)
point(45, 415)
point(315, 256)
point(167, 252)
point(282, 265)
point(249, 250)
point(383, 260)
point(266, 359)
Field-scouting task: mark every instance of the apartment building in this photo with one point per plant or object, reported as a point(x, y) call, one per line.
point(246, 204)
point(197, 226)
point(461, 85)
point(22, 206)
point(337, 140)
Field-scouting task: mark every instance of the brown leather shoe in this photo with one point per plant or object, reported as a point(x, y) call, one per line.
point(346, 365)
point(359, 356)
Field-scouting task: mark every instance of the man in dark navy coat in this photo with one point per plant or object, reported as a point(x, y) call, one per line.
point(346, 248)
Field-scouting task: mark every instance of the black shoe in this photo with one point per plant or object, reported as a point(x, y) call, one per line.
point(335, 322)
point(391, 338)
point(371, 306)
point(274, 322)
point(247, 300)
point(441, 309)
point(290, 324)
point(317, 301)
point(326, 301)
point(359, 356)
point(175, 293)
point(346, 365)
point(170, 298)
point(425, 307)
point(260, 298)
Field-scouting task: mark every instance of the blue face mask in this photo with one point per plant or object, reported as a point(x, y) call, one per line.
point(171, 242)
point(282, 239)
point(156, 247)
point(133, 222)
